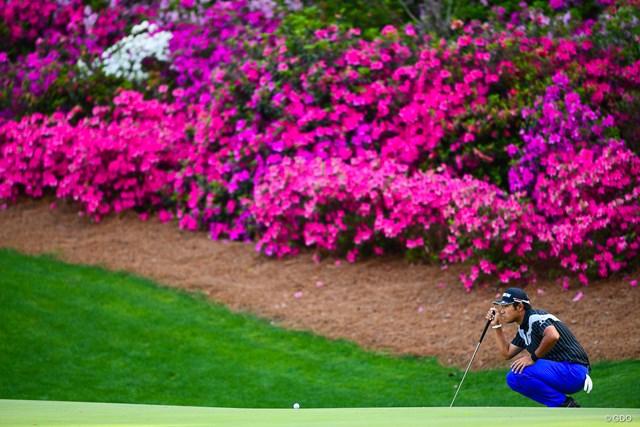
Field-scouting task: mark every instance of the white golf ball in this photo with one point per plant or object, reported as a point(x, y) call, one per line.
point(296, 405)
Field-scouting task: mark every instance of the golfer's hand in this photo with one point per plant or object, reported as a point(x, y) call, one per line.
point(518, 365)
point(492, 315)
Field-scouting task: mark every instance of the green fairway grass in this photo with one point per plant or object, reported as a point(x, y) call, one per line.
point(77, 333)
point(14, 413)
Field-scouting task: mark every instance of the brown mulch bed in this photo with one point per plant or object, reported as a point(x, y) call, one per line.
point(386, 305)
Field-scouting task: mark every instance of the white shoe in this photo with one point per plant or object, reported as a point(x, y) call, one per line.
point(588, 384)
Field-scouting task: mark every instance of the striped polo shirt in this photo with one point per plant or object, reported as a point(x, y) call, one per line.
point(530, 334)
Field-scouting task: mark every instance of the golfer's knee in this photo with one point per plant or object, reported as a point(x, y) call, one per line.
point(514, 380)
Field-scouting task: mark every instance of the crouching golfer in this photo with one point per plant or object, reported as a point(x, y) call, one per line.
point(555, 366)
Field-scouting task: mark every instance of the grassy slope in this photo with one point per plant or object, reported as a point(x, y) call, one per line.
point(76, 333)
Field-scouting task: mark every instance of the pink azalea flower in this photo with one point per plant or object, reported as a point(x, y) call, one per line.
point(389, 30)
point(556, 4)
point(464, 41)
point(352, 57)
point(164, 216)
point(415, 242)
point(410, 30)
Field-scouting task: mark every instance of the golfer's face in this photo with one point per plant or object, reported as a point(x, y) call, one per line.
point(507, 312)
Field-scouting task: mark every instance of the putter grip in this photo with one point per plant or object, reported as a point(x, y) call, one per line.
point(485, 330)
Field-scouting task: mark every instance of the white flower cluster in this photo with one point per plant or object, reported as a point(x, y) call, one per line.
point(265, 6)
point(124, 59)
point(269, 6)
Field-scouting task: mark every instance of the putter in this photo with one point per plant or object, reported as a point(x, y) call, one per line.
point(471, 361)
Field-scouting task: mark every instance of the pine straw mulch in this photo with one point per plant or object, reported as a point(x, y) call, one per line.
point(387, 305)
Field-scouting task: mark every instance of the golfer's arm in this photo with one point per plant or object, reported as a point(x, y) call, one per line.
point(550, 337)
point(507, 349)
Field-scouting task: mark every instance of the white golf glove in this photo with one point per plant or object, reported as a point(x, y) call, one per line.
point(588, 384)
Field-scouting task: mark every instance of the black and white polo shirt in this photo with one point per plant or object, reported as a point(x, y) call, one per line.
point(529, 336)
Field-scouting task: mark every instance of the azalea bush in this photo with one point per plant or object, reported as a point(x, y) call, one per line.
point(589, 208)
point(509, 144)
point(365, 206)
point(120, 158)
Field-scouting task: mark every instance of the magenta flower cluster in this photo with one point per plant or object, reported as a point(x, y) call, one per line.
point(501, 148)
point(115, 160)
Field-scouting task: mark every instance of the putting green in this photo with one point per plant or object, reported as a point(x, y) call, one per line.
point(48, 413)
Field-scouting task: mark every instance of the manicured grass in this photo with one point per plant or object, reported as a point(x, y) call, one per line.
point(17, 413)
point(77, 333)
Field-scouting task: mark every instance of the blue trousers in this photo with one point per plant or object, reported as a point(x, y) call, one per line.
point(548, 382)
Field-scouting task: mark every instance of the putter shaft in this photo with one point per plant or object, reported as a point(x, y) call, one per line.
point(471, 361)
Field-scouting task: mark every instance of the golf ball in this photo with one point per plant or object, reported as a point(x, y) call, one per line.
point(296, 405)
